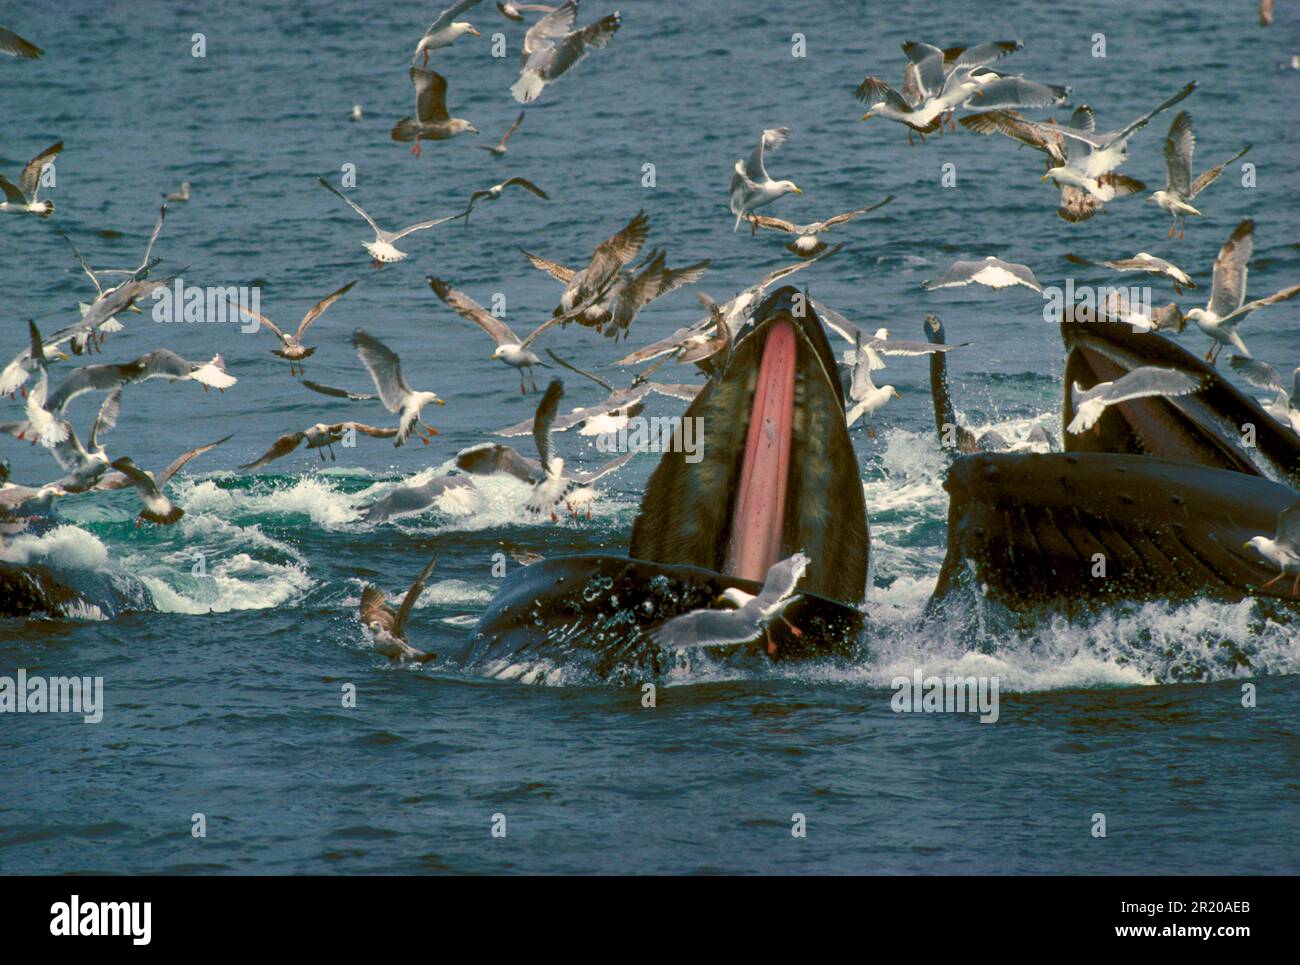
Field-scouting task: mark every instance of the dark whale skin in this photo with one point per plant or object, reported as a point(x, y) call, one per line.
point(1024, 528)
point(606, 604)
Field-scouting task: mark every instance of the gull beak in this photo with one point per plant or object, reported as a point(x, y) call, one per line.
point(472, 129)
point(798, 190)
point(442, 402)
point(475, 32)
point(897, 395)
point(1044, 177)
point(868, 116)
point(1246, 545)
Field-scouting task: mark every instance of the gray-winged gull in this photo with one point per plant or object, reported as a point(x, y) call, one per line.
point(1227, 306)
point(1180, 188)
point(747, 623)
point(1140, 383)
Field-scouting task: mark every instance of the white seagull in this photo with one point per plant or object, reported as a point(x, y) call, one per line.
point(991, 272)
point(1140, 383)
point(1283, 550)
point(1180, 189)
point(385, 369)
point(1228, 307)
point(382, 250)
point(751, 187)
point(25, 197)
point(551, 47)
point(444, 31)
point(1286, 405)
point(747, 623)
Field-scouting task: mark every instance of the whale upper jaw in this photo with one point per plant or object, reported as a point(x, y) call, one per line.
point(1219, 427)
point(776, 472)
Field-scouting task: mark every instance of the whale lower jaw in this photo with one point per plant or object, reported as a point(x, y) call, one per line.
point(593, 613)
point(1073, 531)
point(1219, 427)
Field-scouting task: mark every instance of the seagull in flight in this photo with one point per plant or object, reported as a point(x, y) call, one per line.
point(750, 618)
point(1227, 306)
point(291, 348)
point(385, 370)
point(382, 250)
point(511, 349)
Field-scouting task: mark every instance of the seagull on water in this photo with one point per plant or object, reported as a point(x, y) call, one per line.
point(182, 195)
point(382, 250)
point(1228, 307)
point(1140, 383)
point(388, 629)
point(751, 186)
point(1180, 189)
point(748, 622)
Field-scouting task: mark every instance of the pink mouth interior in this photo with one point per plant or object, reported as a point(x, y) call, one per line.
point(764, 477)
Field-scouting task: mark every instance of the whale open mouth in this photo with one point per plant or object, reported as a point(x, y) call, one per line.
point(775, 473)
point(1219, 427)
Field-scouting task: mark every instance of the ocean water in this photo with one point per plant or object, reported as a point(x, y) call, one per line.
point(223, 691)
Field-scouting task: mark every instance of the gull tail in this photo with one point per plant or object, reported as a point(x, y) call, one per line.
point(528, 87)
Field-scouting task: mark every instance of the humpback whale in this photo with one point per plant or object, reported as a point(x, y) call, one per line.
point(776, 475)
point(1220, 427)
point(1153, 504)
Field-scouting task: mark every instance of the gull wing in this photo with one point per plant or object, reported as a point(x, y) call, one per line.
point(408, 601)
point(451, 13)
point(180, 461)
point(772, 139)
point(29, 182)
point(855, 213)
point(706, 628)
point(1180, 143)
point(1259, 374)
point(286, 444)
point(543, 419)
point(339, 393)
point(351, 204)
point(782, 577)
point(319, 308)
point(1208, 177)
point(472, 311)
point(554, 269)
point(549, 29)
point(385, 369)
point(1228, 289)
point(430, 95)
